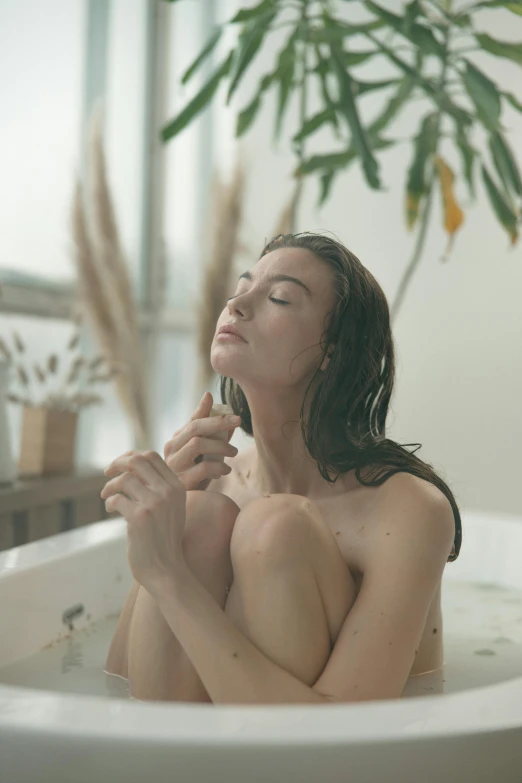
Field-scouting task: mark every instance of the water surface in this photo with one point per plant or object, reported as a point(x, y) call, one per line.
point(482, 631)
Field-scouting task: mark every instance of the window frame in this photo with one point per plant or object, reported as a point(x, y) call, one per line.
point(29, 295)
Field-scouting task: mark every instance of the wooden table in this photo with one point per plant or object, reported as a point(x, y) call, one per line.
point(33, 508)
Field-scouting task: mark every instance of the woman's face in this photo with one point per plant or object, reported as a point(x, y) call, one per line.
point(276, 333)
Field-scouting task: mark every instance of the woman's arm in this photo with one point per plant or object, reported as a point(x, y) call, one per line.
point(117, 659)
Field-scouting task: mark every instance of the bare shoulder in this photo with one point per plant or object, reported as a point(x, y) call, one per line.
point(410, 487)
point(414, 493)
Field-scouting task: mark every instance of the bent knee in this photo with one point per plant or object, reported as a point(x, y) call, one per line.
point(273, 526)
point(210, 520)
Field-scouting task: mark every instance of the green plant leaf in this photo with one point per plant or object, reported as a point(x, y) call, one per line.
point(510, 5)
point(333, 160)
point(513, 51)
point(425, 84)
point(417, 33)
point(423, 37)
point(462, 19)
point(313, 123)
point(484, 94)
point(505, 215)
point(412, 11)
point(338, 160)
point(349, 109)
point(468, 158)
point(197, 103)
point(505, 163)
point(417, 182)
point(326, 185)
point(393, 106)
point(246, 117)
point(285, 75)
point(441, 99)
point(324, 87)
point(396, 22)
point(336, 30)
point(513, 100)
point(250, 39)
point(214, 38)
point(355, 58)
point(248, 14)
point(360, 87)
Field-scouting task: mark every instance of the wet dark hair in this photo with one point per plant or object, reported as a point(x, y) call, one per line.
point(347, 415)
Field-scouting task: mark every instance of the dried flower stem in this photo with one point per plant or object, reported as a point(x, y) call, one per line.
point(18, 342)
point(105, 287)
point(227, 210)
point(39, 373)
point(5, 350)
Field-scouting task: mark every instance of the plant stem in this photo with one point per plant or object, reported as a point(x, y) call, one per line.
point(419, 245)
point(302, 117)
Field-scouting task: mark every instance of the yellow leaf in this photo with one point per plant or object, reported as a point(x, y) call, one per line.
point(453, 215)
point(412, 209)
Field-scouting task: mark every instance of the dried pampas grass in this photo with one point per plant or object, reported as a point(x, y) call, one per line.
point(4, 350)
point(226, 209)
point(105, 286)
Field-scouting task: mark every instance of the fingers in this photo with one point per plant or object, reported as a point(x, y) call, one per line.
point(131, 487)
point(161, 467)
point(147, 466)
point(209, 469)
point(121, 504)
point(200, 427)
point(204, 407)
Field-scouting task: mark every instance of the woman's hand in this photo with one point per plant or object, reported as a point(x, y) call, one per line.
point(185, 452)
point(153, 501)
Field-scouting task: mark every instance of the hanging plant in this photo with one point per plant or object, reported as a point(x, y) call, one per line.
point(325, 51)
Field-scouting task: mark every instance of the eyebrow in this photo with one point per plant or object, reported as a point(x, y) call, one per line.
point(275, 278)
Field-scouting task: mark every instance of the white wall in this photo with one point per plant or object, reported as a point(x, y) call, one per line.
point(459, 334)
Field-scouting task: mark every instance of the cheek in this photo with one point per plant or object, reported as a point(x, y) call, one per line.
point(279, 324)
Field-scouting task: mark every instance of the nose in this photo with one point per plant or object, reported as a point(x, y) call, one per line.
point(233, 306)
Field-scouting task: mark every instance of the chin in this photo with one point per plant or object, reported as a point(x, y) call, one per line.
point(222, 365)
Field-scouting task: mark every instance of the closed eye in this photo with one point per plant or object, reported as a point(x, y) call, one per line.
point(272, 299)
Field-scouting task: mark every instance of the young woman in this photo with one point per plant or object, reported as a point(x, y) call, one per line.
point(310, 568)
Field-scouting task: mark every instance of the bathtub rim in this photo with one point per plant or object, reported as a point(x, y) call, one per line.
point(28, 711)
point(488, 709)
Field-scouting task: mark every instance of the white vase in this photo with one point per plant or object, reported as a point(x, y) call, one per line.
point(8, 470)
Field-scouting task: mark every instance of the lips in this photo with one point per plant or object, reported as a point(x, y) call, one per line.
point(228, 328)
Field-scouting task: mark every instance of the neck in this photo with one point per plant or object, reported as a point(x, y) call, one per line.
point(281, 463)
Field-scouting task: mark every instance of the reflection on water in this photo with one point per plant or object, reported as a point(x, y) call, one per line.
point(482, 644)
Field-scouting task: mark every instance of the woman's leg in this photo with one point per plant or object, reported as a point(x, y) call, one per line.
point(117, 657)
point(158, 667)
point(292, 588)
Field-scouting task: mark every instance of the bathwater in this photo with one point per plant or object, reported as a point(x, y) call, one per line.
point(482, 631)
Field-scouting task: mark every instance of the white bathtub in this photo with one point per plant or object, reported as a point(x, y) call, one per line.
point(474, 734)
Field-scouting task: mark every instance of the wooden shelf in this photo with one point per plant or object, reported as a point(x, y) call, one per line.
point(33, 508)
